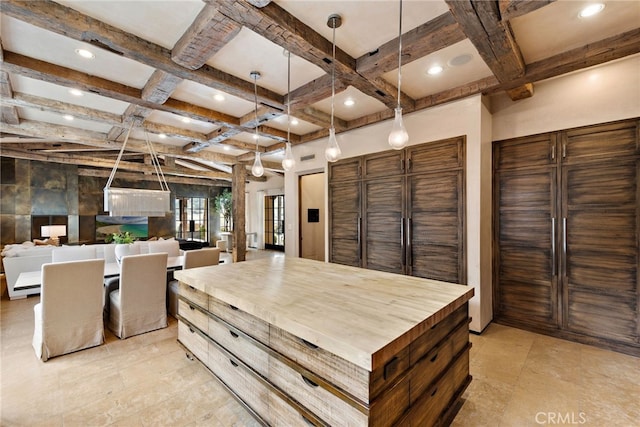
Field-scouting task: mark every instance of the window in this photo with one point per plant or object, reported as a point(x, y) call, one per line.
point(192, 218)
point(274, 222)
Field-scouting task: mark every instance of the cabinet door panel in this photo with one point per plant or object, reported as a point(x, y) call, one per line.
point(436, 226)
point(383, 221)
point(389, 163)
point(605, 141)
point(437, 156)
point(526, 287)
point(345, 223)
point(345, 170)
point(601, 268)
point(526, 152)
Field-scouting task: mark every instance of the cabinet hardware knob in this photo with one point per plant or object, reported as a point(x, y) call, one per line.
point(233, 334)
point(308, 382)
point(191, 330)
point(433, 393)
point(433, 359)
point(233, 307)
point(235, 365)
point(191, 307)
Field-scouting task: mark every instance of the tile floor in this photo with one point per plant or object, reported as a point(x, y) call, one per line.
point(519, 379)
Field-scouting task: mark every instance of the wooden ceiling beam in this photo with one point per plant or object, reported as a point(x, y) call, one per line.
point(130, 176)
point(160, 86)
point(510, 9)
point(276, 24)
point(9, 114)
point(68, 22)
point(427, 38)
point(208, 33)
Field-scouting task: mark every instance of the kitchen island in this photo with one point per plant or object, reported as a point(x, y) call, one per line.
point(302, 342)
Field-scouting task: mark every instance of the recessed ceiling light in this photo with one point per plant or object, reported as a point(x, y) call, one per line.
point(85, 53)
point(255, 136)
point(436, 69)
point(294, 121)
point(75, 92)
point(592, 9)
point(349, 102)
point(186, 120)
point(68, 117)
point(218, 97)
point(459, 60)
point(162, 135)
point(226, 148)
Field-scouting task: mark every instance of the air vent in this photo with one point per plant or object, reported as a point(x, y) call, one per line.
point(101, 45)
point(307, 157)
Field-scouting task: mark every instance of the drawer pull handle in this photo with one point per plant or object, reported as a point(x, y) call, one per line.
point(390, 368)
point(191, 330)
point(233, 334)
point(434, 392)
point(308, 382)
point(434, 326)
point(233, 307)
point(308, 344)
point(235, 365)
point(433, 359)
point(190, 357)
point(192, 288)
point(191, 307)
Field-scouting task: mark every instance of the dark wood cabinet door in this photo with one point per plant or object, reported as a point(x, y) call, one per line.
point(441, 155)
point(525, 242)
point(345, 223)
point(383, 222)
point(388, 163)
point(435, 226)
point(600, 240)
point(345, 170)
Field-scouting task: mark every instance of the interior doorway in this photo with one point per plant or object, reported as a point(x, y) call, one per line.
point(312, 216)
point(274, 222)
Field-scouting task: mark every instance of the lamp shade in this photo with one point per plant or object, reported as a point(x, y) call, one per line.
point(136, 202)
point(53, 230)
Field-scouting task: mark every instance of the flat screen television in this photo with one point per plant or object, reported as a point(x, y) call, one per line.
point(138, 226)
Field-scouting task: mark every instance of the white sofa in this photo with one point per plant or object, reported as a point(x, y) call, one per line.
point(25, 257)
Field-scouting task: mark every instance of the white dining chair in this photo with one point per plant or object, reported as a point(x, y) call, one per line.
point(69, 315)
point(139, 305)
point(191, 259)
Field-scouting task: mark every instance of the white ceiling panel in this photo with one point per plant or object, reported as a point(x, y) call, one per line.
point(301, 128)
point(38, 115)
point(160, 22)
point(362, 106)
point(201, 95)
point(170, 119)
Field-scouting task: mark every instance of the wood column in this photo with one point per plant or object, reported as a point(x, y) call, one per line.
point(239, 175)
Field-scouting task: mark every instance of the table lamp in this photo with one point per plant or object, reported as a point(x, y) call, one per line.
point(54, 232)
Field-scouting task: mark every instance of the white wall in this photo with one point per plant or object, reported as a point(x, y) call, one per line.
point(599, 94)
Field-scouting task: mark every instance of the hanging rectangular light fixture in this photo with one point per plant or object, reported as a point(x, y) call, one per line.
point(135, 201)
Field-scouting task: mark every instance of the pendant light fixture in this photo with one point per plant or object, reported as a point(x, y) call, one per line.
point(399, 137)
point(257, 169)
point(332, 152)
point(288, 162)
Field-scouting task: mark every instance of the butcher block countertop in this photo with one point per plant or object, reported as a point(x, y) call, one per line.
point(363, 316)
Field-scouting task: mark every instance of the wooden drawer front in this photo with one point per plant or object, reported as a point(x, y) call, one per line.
point(460, 370)
point(429, 339)
point(244, 384)
point(193, 315)
point(386, 410)
point(240, 346)
point(429, 368)
point(281, 414)
point(460, 338)
point(386, 374)
point(240, 319)
point(315, 398)
point(429, 407)
point(194, 295)
point(334, 369)
point(195, 343)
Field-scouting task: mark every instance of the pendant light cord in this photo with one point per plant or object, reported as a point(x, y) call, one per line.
point(289, 96)
point(333, 71)
point(400, 54)
point(255, 94)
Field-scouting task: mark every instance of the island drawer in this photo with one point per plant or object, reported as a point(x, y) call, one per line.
point(194, 295)
point(424, 343)
point(282, 414)
point(243, 383)
point(343, 374)
point(240, 319)
point(193, 341)
point(239, 345)
point(428, 408)
point(314, 397)
point(193, 315)
point(429, 368)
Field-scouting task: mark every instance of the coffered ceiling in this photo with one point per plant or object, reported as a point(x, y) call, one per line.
point(178, 72)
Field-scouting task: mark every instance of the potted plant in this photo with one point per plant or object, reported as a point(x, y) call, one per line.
point(124, 245)
point(224, 205)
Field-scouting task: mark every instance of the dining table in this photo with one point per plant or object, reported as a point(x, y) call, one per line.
point(33, 279)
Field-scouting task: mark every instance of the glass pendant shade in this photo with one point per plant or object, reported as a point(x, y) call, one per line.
point(288, 162)
point(398, 137)
point(257, 169)
point(332, 152)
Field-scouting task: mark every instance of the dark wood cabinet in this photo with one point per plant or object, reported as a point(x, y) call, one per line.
point(411, 217)
point(566, 233)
